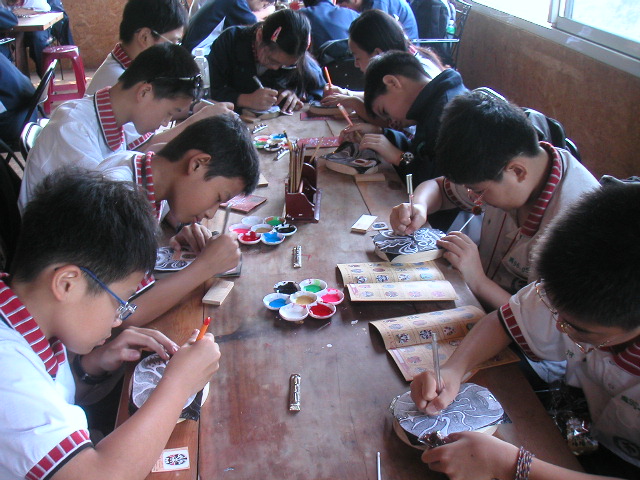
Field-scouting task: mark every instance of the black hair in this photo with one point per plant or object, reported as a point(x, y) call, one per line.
point(588, 258)
point(479, 135)
point(169, 68)
point(389, 63)
point(160, 16)
point(227, 140)
point(78, 217)
point(294, 34)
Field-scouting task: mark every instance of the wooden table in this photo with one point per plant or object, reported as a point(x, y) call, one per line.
point(35, 22)
point(348, 380)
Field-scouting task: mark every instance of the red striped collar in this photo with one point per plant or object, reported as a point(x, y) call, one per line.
point(144, 179)
point(112, 132)
point(628, 359)
point(532, 223)
point(51, 352)
point(121, 56)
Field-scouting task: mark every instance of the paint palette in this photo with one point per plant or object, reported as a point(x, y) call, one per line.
point(331, 295)
point(321, 310)
point(272, 238)
point(239, 228)
point(292, 312)
point(275, 301)
point(249, 238)
point(313, 285)
point(261, 228)
point(303, 298)
point(270, 143)
point(287, 286)
point(286, 229)
point(274, 221)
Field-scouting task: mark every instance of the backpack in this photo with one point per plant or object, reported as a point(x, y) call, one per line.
point(551, 130)
point(436, 19)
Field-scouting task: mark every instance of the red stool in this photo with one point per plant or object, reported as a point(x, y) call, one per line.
point(60, 93)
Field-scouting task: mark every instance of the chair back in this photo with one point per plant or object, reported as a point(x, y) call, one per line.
point(41, 92)
point(335, 55)
point(9, 191)
point(28, 137)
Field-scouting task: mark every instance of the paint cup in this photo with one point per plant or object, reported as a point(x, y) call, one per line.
point(274, 221)
point(274, 301)
point(262, 228)
point(321, 310)
point(272, 238)
point(249, 238)
point(313, 285)
point(303, 298)
point(260, 140)
point(286, 229)
point(292, 312)
point(252, 220)
point(287, 287)
point(331, 295)
point(239, 228)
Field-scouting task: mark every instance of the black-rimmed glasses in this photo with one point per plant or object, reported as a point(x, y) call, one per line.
point(194, 82)
point(177, 41)
point(125, 309)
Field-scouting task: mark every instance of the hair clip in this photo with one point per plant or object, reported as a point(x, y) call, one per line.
point(309, 41)
point(276, 33)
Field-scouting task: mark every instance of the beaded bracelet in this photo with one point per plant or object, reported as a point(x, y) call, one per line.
point(524, 464)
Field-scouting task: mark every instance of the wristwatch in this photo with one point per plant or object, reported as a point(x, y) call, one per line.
point(85, 377)
point(406, 158)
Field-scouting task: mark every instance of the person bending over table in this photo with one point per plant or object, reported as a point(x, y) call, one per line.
point(274, 51)
point(372, 33)
point(584, 309)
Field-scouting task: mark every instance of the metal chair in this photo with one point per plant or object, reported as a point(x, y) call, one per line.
point(41, 93)
point(449, 55)
point(28, 137)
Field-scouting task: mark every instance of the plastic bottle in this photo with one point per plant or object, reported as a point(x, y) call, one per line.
point(203, 65)
point(451, 27)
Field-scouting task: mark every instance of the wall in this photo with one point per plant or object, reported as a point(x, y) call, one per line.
point(598, 105)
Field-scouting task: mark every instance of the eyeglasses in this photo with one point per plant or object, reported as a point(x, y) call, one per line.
point(194, 82)
point(126, 309)
point(564, 326)
point(270, 61)
point(177, 41)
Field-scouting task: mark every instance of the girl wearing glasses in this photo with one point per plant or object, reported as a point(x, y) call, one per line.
point(266, 64)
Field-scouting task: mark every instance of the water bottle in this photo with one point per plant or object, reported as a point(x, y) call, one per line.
point(451, 27)
point(203, 65)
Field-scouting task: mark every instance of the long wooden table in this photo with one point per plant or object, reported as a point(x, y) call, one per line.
point(33, 22)
point(246, 430)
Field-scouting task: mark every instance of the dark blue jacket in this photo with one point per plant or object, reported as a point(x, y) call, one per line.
point(209, 16)
point(426, 111)
point(16, 92)
point(232, 67)
point(397, 8)
point(328, 22)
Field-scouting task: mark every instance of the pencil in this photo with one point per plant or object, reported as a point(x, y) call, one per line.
point(436, 361)
point(258, 82)
point(410, 192)
point(326, 72)
point(203, 330)
point(344, 113)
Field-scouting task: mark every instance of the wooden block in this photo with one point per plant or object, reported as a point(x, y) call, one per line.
point(262, 181)
point(372, 177)
point(364, 223)
point(218, 292)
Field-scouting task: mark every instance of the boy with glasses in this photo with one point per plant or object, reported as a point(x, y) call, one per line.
point(584, 309)
point(490, 155)
point(162, 82)
point(144, 23)
point(69, 267)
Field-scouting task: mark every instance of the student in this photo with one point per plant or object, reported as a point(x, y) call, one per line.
point(274, 51)
point(397, 88)
point(144, 23)
point(210, 162)
point(36, 41)
point(86, 243)
point(372, 33)
point(584, 308)
point(162, 82)
point(489, 154)
point(328, 22)
point(399, 9)
point(214, 16)
point(16, 92)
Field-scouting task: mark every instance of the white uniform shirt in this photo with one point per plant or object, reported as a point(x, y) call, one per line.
point(80, 132)
point(41, 429)
point(610, 382)
point(505, 249)
point(108, 73)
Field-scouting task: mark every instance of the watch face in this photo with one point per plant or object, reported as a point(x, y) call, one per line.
point(407, 158)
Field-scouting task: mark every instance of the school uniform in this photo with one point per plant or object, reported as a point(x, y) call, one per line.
point(610, 381)
point(426, 111)
point(232, 66)
point(328, 22)
point(400, 9)
point(80, 132)
point(505, 248)
point(16, 92)
point(42, 428)
point(212, 18)
point(109, 71)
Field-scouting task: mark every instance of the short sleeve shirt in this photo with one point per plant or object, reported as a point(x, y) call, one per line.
point(610, 381)
point(505, 248)
point(108, 73)
point(41, 428)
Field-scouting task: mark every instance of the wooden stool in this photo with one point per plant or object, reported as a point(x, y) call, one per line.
point(55, 91)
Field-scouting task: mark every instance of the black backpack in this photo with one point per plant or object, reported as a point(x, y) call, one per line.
point(436, 19)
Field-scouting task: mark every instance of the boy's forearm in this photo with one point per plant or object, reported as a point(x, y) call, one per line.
point(429, 194)
point(485, 340)
point(489, 293)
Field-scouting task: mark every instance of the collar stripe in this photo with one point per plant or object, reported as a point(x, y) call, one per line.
point(121, 56)
point(508, 318)
point(144, 180)
point(58, 454)
point(113, 134)
point(629, 360)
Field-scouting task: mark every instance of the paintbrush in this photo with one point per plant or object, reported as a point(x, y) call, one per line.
point(410, 193)
point(315, 152)
point(226, 217)
point(436, 362)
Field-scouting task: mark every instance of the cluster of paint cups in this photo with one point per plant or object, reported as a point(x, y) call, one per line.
point(296, 301)
point(271, 143)
point(271, 230)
